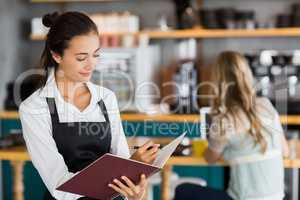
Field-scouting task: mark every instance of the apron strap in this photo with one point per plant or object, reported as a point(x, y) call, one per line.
point(54, 113)
point(52, 110)
point(103, 110)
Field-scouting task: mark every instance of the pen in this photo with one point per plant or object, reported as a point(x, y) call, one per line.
point(137, 147)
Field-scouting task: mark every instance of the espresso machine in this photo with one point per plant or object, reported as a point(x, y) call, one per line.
point(260, 65)
point(292, 72)
point(185, 89)
point(277, 76)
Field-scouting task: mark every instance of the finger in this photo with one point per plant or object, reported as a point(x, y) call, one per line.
point(123, 187)
point(145, 146)
point(117, 189)
point(130, 184)
point(151, 151)
point(150, 159)
point(143, 182)
point(153, 157)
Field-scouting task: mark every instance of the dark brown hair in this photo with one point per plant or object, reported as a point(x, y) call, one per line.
point(63, 27)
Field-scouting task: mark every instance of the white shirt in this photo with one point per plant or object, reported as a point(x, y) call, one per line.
point(253, 175)
point(37, 130)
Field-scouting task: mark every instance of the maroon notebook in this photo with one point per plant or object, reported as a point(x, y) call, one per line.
point(93, 180)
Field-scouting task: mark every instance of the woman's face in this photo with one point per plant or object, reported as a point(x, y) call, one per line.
point(80, 57)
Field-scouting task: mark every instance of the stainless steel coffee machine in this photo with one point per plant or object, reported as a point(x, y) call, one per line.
point(185, 89)
point(277, 76)
point(260, 65)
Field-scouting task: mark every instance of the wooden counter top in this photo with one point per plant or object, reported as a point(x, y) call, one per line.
point(285, 119)
point(161, 118)
point(290, 119)
point(20, 154)
point(200, 161)
point(14, 154)
point(128, 117)
point(9, 115)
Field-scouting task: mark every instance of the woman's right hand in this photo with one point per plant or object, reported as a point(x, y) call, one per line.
point(146, 153)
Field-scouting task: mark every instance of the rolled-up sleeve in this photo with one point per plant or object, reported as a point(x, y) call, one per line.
point(37, 133)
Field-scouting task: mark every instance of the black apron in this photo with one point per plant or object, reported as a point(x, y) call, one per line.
point(80, 143)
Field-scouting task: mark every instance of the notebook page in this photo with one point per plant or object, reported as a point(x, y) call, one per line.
point(165, 153)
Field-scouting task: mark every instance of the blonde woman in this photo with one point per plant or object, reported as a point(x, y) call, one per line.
point(246, 132)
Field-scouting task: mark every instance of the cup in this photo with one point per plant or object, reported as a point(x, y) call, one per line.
point(199, 146)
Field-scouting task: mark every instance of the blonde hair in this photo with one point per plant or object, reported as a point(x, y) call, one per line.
point(235, 89)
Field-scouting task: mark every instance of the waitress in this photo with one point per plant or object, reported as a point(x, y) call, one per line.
point(70, 122)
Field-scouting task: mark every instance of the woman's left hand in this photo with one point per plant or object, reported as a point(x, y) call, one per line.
point(130, 190)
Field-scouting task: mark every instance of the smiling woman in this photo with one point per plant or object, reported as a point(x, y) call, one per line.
point(70, 122)
point(82, 55)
